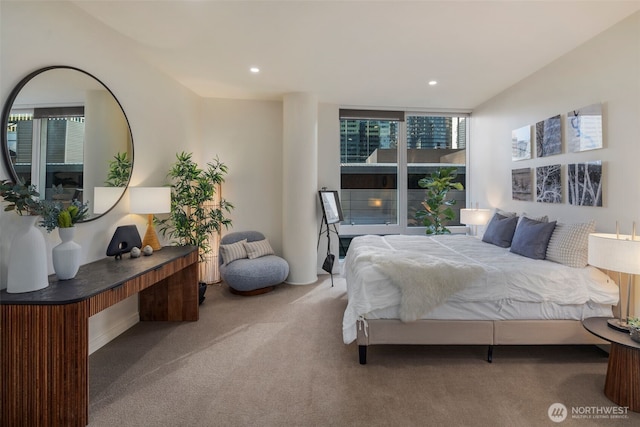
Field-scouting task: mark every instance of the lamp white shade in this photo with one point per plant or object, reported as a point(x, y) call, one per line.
point(149, 200)
point(614, 253)
point(475, 216)
point(104, 198)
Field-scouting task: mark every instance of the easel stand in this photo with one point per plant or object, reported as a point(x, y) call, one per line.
point(329, 260)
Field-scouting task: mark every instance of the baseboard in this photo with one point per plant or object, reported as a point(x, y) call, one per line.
point(105, 337)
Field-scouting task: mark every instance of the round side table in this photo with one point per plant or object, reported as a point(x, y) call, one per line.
point(622, 385)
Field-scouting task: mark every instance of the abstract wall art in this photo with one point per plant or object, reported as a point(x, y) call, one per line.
point(521, 143)
point(521, 185)
point(549, 137)
point(584, 128)
point(549, 184)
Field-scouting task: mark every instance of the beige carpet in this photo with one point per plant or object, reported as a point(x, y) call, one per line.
point(278, 360)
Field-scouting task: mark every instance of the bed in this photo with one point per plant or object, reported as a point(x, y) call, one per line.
point(459, 290)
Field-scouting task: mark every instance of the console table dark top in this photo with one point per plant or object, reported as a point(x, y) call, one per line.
point(96, 277)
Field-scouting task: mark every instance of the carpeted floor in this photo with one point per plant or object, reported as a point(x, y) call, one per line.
point(278, 360)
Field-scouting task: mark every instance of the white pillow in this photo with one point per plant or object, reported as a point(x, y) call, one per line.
point(233, 251)
point(569, 244)
point(258, 248)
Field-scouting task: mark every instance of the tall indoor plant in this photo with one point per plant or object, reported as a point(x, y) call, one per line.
point(190, 222)
point(437, 208)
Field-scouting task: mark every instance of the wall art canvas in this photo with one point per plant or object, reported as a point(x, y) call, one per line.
point(521, 188)
point(585, 183)
point(549, 137)
point(521, 143)
point(549, 184)
point(584, 128)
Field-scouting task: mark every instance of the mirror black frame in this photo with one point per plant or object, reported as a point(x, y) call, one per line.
point(6, 111)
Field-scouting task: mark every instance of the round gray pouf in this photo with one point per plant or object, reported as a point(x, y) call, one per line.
point(255, 276)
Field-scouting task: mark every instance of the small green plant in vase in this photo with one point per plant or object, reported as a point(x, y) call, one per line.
point(55, 215)
point(634, 328)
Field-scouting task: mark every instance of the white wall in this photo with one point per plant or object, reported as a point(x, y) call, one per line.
point(163, 115)
point(606, 69)
point(247, 137)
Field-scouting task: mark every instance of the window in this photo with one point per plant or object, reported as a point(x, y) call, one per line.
point(383, 155)
point(60, 134)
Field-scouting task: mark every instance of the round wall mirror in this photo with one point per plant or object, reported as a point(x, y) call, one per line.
point(67, 134)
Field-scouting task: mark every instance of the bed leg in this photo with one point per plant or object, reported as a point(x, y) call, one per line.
point(490, 354)
point(362, 354)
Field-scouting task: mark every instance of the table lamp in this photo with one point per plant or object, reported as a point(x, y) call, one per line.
point(616, 252)
point(475, 217)
point(150, 201)
point(104, 198)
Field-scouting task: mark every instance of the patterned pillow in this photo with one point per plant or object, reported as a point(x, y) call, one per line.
point(258, 248)
point(569, 244)
point(233, 251)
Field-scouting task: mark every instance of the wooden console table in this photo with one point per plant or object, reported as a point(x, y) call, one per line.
point(44, 334)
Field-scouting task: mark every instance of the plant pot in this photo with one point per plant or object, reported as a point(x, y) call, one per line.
point(202, 289)
point(634, 332)
point(66, 256)
point(27, 268)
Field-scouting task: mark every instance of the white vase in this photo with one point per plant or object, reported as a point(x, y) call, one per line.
point(66, 256)
point(27, 268)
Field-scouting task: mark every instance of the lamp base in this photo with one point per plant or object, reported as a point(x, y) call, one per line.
point(618, 325)
point(150, 237)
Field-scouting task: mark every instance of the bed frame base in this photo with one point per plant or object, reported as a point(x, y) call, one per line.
point(468, 332)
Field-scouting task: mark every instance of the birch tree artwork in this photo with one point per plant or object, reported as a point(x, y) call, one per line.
point(548, 184)
point(521, 184)
point(585, 183)
point(549, 137)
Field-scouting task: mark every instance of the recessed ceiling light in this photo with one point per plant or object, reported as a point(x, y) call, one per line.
point(254, 70)
point(433, 83)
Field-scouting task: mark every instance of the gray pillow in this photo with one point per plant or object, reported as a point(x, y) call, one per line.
point(500, 230)
point(532, 238)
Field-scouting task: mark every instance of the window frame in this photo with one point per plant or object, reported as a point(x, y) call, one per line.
point(402, 227)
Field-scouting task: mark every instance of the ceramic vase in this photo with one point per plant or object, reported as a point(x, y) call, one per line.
point(27, 268)
point(66, 256)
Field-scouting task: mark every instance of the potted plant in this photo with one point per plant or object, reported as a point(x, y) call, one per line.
point(437, 208)
point(66, 255)
point(55, 215)
point(190, 221)
point(22, 198)
point(27, 268)
point(634, 328)
point(119, 171)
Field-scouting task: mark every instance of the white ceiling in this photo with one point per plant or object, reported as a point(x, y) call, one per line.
point(356, 53)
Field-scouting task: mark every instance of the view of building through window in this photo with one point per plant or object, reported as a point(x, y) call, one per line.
point(61, 138)
point(383, 160)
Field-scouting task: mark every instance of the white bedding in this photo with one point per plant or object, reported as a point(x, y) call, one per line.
point(505, 280)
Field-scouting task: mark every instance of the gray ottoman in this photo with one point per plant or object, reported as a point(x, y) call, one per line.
point(252, 276)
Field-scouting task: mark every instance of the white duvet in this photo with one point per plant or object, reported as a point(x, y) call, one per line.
point(497, 275)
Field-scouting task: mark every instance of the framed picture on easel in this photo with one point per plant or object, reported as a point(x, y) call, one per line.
point(331, 206)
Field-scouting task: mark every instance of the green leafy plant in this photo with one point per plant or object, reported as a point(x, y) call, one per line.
point(119, 171)
point(54, 214)
point(634, 322)
point(22, 198)
point(190, 221)
point(437, 208)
